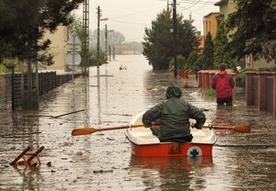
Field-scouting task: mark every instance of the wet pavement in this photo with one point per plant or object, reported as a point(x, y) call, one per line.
point(103, 161)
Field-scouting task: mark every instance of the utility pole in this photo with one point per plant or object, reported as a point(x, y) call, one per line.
point(106, 41)
point(98, 43)
point(99, 14)
point(174, 39)
point(85, 70)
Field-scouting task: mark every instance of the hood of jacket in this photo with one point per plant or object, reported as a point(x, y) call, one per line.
point(173, 91)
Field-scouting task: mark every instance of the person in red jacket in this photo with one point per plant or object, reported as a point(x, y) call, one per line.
point(223, 84)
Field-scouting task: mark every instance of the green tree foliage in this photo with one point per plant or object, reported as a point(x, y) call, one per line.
point(221, 49)
point(23, 24)
point(76, 28)
point(193, 56)
point(252, 29)
point(187, 38)
point(208, 53)
point(181, 62)
point(158, 40)
point(199, 63)
point(206, 60)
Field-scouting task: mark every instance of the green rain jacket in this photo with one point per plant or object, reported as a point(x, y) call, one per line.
point(173, 116)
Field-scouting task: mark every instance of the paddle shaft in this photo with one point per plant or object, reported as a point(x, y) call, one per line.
point(118, 127)
point(220, 127)
point(89, 130)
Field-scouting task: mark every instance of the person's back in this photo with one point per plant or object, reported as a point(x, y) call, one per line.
point(223, 83)
point(174, 117)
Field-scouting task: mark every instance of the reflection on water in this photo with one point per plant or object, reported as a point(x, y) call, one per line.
point(175, 173)
point(241, 161)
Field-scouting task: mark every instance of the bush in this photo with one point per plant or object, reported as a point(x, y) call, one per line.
point(240, 80)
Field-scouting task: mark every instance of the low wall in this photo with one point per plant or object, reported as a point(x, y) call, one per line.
point(261, 90)
point(205, 79)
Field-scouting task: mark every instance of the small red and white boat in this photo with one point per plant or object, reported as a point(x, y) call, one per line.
point(145, 144)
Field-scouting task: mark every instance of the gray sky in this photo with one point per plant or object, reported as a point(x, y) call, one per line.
point(130, 17)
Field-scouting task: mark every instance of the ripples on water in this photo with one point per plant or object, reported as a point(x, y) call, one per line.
point(102, 161)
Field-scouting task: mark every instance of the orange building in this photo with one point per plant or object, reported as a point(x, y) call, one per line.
point(210, 24)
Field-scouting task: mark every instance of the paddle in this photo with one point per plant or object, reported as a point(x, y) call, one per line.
point(89, 130)
point(238, 128)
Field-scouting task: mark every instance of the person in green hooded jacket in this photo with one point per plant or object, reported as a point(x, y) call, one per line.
point(173, 116)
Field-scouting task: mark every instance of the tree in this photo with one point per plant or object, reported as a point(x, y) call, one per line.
point(191, 60)
point(206, 60)
point(76, 28)
point(208, 53)
point(187, 38)
point(252, 29)
point(221, 49)
point(158, 40)
point(115, 38)
point(21, 36)
point(181, 62)
point(24, 23)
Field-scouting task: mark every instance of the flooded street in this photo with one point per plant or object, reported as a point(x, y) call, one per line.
point(102, 161)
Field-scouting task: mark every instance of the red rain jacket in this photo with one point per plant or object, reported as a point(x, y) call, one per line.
point(223, 84)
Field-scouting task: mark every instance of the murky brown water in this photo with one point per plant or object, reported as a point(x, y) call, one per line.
point(102, 160)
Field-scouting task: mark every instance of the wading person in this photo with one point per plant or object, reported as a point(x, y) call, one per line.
point(223, 83)
point(173, 117)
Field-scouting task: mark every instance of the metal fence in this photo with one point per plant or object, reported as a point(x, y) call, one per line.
point(10, 87)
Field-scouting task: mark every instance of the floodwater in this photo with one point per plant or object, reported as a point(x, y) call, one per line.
point(102, 161)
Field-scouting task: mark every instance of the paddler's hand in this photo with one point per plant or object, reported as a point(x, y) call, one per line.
point(194, 125)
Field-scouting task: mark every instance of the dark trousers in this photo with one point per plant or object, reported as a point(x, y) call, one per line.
point(228, 101)
point(186, 138)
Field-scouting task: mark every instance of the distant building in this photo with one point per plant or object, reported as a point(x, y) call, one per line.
point(226, 7)
point(210, 24)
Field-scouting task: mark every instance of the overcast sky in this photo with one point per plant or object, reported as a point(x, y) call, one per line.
point(130, 17)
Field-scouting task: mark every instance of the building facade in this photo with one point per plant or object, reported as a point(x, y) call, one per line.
point(58, 47)
point(210, 24)
point(226, 8)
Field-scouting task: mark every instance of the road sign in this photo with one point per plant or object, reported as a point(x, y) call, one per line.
point(74, 44)
point(73, 59)
point(73, 49)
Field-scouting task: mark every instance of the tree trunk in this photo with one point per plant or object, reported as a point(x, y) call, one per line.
point(30, 87)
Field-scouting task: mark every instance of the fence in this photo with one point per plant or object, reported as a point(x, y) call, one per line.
point(11, 95)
